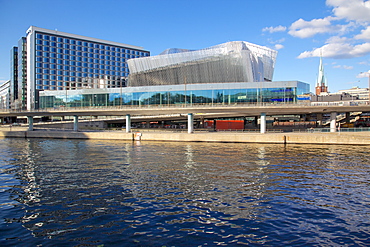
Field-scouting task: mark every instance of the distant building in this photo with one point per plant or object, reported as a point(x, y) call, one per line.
point(5, 95)
point(361, 93)
point(53, 60)
point(333, 97)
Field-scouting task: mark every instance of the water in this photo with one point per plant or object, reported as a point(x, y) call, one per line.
point(111, 193)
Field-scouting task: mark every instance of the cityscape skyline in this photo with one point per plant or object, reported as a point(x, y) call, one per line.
point(336, 29)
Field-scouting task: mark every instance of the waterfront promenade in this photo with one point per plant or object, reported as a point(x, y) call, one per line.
point(344, 138)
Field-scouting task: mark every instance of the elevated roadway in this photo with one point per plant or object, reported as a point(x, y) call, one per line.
point(198, 111)
point(239, 109)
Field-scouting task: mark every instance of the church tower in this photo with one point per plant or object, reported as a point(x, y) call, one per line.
point(321, 85)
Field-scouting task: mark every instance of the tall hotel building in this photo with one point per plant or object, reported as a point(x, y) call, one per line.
point(53, 60)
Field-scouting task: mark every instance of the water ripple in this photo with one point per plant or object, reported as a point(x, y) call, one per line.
point(103, 193)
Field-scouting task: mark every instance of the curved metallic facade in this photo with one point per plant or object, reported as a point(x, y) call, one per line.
point(236, 61)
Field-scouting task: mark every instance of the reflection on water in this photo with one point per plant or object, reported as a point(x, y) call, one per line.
point(72, 192)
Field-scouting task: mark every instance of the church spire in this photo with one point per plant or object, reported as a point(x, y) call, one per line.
point(321, 85)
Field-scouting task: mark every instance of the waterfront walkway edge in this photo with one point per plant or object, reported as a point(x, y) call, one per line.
point(343, 138)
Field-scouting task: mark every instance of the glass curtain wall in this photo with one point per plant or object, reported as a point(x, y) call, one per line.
point(166, 98)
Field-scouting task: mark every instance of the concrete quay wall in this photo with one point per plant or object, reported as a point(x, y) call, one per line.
point(345, 138)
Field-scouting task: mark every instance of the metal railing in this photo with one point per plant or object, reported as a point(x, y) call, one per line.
point(196, 105)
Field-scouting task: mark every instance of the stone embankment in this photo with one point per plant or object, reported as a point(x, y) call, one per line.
point(344, 138)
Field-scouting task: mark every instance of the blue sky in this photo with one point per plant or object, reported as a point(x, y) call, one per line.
point(300, 30)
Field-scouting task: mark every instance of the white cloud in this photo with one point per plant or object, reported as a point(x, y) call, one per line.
point(279, 46)
point(347, 67)
point(363, 74)
point(276, 41)
point(342, 67)
point(348, 16)
point(365, 34)
point(305, 29)
point(356, 10)
point(274, 29)
point(337, 39)
point(338, 50)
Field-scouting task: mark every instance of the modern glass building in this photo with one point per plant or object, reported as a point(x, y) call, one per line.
point(13, 74)
point(21, 102)
point(58, 61)
point(230, 73)
point(165, 95)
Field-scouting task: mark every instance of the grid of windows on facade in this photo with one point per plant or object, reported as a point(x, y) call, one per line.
point(64, 63)
point(164, 98)
point(22, 73)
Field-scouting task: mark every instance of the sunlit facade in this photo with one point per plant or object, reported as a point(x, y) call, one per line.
point(5, 95)
point(180, 95)
point(236, 61)
point(62, 61)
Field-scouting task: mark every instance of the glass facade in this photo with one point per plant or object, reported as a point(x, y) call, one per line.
point(21, 101)
point(70, 63)
point(196, 94)
point(14, 73)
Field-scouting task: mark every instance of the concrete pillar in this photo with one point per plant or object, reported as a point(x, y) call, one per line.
point(190, 123)
point(128, 123)
point(263, 123)
point(333, 122)
point(319, 119)
point(75, 123)
point(30, 123)
point(147, 124)
point(348, 117)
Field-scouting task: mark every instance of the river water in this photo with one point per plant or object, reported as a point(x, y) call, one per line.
point(114, 193)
